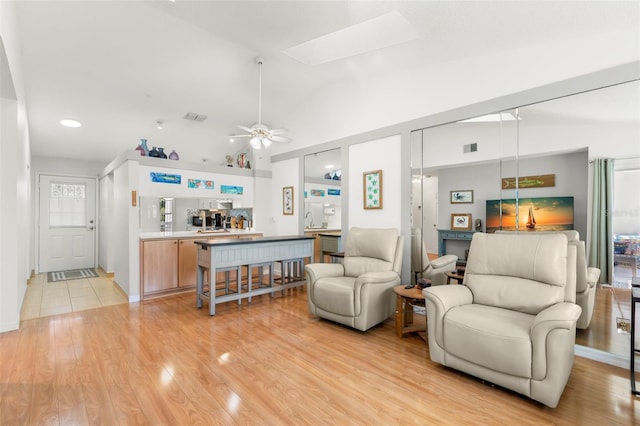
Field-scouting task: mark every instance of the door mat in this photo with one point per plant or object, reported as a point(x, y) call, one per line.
point(71, 275)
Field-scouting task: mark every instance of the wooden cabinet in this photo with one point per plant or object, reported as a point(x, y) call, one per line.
point(187, 263)
point(159, 265)
point(171, 265)
point(316, 246)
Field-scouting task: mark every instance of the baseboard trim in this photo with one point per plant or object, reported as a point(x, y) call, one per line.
point(602, 356)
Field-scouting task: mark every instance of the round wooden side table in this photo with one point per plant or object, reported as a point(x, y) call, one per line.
point(406, 299)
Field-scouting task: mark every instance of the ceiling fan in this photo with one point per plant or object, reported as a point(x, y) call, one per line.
point(259, 133)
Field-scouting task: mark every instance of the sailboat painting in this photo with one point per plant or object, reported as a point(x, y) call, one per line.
point(535, 214)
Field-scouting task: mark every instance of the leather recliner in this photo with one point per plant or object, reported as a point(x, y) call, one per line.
point(433, 270)
point(586, 277)
point(358, 292)
point(513, 321)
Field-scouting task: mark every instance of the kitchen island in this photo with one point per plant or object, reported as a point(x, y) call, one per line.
point(168, 260)
point(224, 255)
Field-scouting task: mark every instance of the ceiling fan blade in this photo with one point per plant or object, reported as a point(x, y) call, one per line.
point(275, 138)
point(278, 131)
point(246, 129)
point(240, 136)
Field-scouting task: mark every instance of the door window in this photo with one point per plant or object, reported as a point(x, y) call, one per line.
point(67, 205)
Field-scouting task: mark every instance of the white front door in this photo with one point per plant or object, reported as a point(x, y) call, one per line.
point(67, 223)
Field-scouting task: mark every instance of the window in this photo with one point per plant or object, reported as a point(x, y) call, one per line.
point(67, 205)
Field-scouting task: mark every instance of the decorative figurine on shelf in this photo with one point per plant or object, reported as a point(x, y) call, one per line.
point(142, 147)
point(242, 160)
point(229, 160)
point(174, 155)
point(161, 153)
point(154, 152)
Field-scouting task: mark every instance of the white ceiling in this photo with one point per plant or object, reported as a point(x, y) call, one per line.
point(119, 66)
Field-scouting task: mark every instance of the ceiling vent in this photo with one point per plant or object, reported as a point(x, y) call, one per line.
point(194, 117)
point(471, 147)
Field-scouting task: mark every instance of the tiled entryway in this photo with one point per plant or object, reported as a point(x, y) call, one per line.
point(44, 298)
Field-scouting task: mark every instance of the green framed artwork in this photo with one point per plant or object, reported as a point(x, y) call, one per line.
point(372, 189)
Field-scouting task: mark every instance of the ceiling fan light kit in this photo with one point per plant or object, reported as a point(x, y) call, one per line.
point(259, 134)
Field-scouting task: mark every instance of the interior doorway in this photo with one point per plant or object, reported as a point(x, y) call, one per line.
point(67, 229)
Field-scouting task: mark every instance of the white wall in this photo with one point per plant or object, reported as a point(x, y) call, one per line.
point(570, 172)
point(126, 232)
point(285, 173)
point(149, 188)
point(263, 205)
point(106, 225)
point(350, 109)
point(382, 154)
point(15, 182)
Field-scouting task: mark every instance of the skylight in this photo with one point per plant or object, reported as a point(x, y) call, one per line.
point(386, 30)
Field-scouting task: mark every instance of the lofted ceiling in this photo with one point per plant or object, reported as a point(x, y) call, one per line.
point(120, 66)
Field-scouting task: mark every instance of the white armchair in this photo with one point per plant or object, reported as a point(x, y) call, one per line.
point(513, 322)
point(358, 292)
point(422, 267)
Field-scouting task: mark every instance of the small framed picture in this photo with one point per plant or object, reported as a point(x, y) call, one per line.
point(461, 197)
point(372, 189)
point(287, 200)
point(461, 221)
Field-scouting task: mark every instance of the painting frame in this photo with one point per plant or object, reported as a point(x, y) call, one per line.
point(464, 196)
point(461, 221)
point(372, 190)
point(287, 200)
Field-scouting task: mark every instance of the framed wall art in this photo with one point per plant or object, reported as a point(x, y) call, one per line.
point(372, 189)
point(461, 221)
point(287, 200)
point(461, 197)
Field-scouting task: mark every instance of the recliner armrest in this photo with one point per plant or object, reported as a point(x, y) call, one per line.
point(593, 274)
point(439, 300)
point(559, 316)
point(447, 297)
point(323, 270)
point(443, 261)
point(382, 277)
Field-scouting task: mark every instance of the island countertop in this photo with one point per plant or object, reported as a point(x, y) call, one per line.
point(235, 233)
point(223, 241)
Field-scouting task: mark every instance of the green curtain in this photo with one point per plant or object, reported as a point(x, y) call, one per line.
point(601, 247)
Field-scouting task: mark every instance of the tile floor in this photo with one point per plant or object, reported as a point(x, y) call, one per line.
point(44, 298)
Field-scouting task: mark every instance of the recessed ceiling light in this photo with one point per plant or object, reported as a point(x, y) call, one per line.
point(383, 31)
point(329, 166)
point(70, 123)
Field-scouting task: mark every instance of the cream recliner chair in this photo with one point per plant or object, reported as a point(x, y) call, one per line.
point(586, 277)
point(358, 292)
point(513, 322)
point(422, 267)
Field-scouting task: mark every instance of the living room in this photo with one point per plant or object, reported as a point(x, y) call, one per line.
point(371, 123)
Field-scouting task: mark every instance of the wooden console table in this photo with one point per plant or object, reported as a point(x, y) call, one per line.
point(449, 234)
point(227, 254)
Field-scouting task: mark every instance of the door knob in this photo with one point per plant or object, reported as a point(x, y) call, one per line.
point(90, 228)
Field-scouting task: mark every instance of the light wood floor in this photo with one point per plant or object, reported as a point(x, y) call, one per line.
point(269, 362)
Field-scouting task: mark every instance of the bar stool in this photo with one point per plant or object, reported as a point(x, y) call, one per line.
point(260, 267)
point(291, 270)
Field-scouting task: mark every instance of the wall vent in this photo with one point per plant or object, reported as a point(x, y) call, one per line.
point(194, 117)
point(470, 147)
